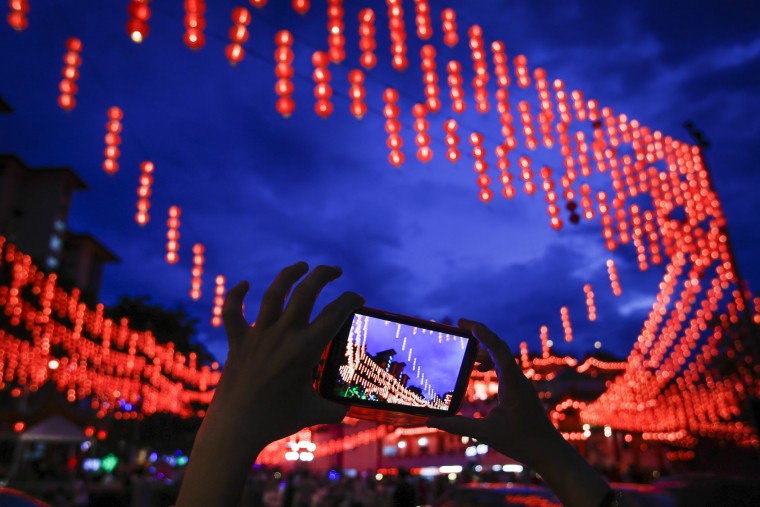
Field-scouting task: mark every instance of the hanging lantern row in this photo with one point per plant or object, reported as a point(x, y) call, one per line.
point(393, 127)
point(614, 278)
point(195, 23)
point(422, 19)
point(17, 17)
point(336, 40)
point(551, 198)
point(502, 162)
point(452, 139)
point(430, 78)
point(590, 306)
point(546, 115)
point(481, 166)
point(137, 25)
point(322, 89)
point(398, 34)
point(197, 271)
point(566, 326)
point(367, 43)
point(456, 83)
point(68, 87)
point(449, 27)
point(113, 140)
point(84, 354)
point(172, 235)
point(144, 192)
point(284, 87)
point(422, 139)
point(357, 93)
point(480, 68)
point(241, 18)
point(216, 319)
point(526, 174)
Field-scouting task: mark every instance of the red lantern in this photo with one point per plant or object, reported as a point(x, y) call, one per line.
point(284, 88)
point(551, 198)
point(546, 114)
point(449, 25)
point(614, 279)
point(430, 78)
point(322, 89)
point(521, 71)
point(456, 83)
point(357, 93)
point(139, 14)
point(565, 315)
point(452, 140)
point(301, 6)
point(393, 127)
point(367, 42)
point(589, 292)
point(336, 41)
point(17, 16)
point(422, 139)
point(113, 140)
point(527, 175)
point(502, 162)
point(241, 18)
point(144, 192)
point(258, 3)
point(194, 23)
point(68, 87)
point(527, 123)
point(172, 235)
point(398, 34)
point(216, 318)
point(604, 211)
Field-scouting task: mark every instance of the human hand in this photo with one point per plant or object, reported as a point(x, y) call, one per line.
point(267, 380)
point(518, 426)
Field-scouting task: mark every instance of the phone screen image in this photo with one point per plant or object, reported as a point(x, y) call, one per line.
point(399, 364)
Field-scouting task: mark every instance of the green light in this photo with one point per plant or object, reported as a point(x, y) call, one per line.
point(109, 463)
point(182, 461)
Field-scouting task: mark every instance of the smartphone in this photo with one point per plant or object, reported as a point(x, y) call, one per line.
point(397, 369)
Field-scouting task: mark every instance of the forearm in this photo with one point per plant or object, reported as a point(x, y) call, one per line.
point(219, 462)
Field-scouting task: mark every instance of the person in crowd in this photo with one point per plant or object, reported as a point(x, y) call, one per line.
point(266, 393)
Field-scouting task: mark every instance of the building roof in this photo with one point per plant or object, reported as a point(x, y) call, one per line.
point(75, 180)
point(76, 238)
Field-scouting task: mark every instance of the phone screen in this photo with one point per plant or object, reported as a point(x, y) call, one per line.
point(395, 363)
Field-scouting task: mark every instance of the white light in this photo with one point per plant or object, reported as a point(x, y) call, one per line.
point(379, 477)
point(450, 469)
point(586, 427)
point(53, 364)
point(306, 456)
point(401, 444)
point(311, 447)
point(482, 449)
point(549, 343)
point(291, 456)
point(597, 345)
point(465, 440)
point(452, 477)
point(428, 471)
point(496, 468)
point(85, 445)
point(513, 467)
point(607, 431)
point(422, 442)
point(471, 451)
point(587, 433)
point(137, 36)
point(478, 468)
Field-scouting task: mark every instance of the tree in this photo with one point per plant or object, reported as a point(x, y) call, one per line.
point(167, 325)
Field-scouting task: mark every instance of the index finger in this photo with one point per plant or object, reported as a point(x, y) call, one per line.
point(506, 366)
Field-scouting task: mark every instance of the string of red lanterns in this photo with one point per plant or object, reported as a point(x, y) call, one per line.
point(137, 25)
point(422, 139)
point(357, 93)
point(216, 313)
point(284, 88)
point(393, 127)
point(397, 30)
point(336, 41)
point(430, 78)
point(481, 166)
point(17, 17)
point(591, 307)
point(172, 235)
point(195, 23)
point(450, 127)
point(422, 19)
point(566, 326)
point(144, 192)
point(456, 83)
point(197, 271)
point(241, 18)
point(68, 85)
point(449, 27)
point(480, 68)
point(367, 43)
point(113, 140)
point(322, 89)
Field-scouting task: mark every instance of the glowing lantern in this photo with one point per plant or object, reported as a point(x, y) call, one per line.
point(545, 342)
point(422, 19)
point(449, 26)
point(527, 124)
point(336, 41)
point(241, 18)
point(322, 89)
point(580, 110)
point(357, 93)
point(398, 34)
point(521, 71)
point(258, 3)
point(551, 198)
point(144, 192)
point(139, 14)
point(614, 279)
point(565, 316)
point(194, 23)
point(17, 16)
point(546, 114)
point(284, 87)
point(502, 162)
point(452, 140)
point(197, 271)
point(481, 166)
point(301, 6)
point(68, 86)
point(172, 235)
point(367, 43)
point(113, 140)
point(589, 292)
point(19, 426)
point(604, 211)
point(527, 175)
point(393, 127)
point(430, 78)
point(422, 139)
point(456, 83)
point(216, 318)
point(480, 68)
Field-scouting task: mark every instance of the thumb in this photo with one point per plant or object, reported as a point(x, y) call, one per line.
point(460, 425)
